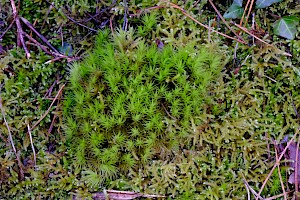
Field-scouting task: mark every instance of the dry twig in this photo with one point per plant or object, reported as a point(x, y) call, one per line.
point(21, 172)
point(203, 25)
point(222, 18)
point(45, 114)
point(278, 162)
point(279, 173)
point(250, 188)
point(32, 146)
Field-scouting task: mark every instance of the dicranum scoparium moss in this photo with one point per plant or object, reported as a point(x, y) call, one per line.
point(129, 102)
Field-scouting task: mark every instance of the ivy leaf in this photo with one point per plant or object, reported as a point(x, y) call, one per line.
point(234, 11)
point(286, 27)
point(265, 3)
point(239, 2)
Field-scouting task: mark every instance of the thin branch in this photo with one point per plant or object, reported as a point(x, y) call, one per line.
point(11, 141)
point(203, 25)
point(7, 126)
point(276, 196)
point(8, 28)
point(278, 161)
point(32, 146)
point(279, 173)
point(19, 28)
point(222, 18)
point(38, 34)
point(251, 189)
point(249, 11)
point(168, 112)
point(111, 24)
point(125, 23)
point(58, 93)
point(247, 31)
point(243, 16)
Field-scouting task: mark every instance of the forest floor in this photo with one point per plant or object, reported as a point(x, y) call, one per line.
point(210, 112)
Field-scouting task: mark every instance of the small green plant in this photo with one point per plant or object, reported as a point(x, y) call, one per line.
point(284, 26)
point(130, 103)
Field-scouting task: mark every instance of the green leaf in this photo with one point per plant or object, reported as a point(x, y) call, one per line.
point(265, 3)
point(234, 11)
point(286, 27)
point(239, 2)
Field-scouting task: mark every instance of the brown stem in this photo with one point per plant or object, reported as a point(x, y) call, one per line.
point(222, 18)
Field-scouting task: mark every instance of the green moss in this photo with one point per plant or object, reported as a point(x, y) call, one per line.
point(129, 101)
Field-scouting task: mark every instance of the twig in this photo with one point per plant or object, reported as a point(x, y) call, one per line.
point(111, 24)
point(8, 28)
point(249, 11)
point(205, 26)
point(248, 192)
point(247, 31)
point(30, 137)
point(139, 12)
point(38, 44)
point(249, 187)
point(49, 91)
point(38, 34)
point(58, 93)
point(279, 173)
point(125, 23)
point(246, 7)
point(276, 196)
point(19, 28)
point(11, 141)
point(222, 18)
point(7, 126)
point(270, 78)
point(168, 112)
point(91, 29)
point(277, 162)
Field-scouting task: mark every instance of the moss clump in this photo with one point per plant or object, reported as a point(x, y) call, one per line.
point(129, 103)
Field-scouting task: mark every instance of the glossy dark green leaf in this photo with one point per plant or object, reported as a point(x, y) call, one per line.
point(286, 27)
point(234, 11)
point(265, 3)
